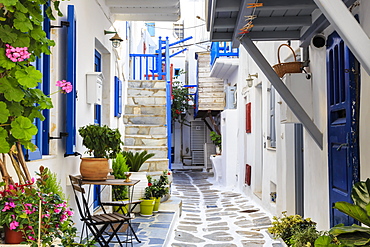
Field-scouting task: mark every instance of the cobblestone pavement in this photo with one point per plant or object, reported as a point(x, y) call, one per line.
point(213, 217)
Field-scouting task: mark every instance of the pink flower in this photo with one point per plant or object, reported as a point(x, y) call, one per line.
point(31, 238)
point(70, 213)
point(17, 54)
point(13, 225)
point(57, 210)
point(65, 85)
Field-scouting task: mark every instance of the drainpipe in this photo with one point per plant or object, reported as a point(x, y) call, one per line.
point(348, 28)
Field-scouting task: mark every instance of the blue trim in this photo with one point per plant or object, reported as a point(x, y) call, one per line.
point(151, 28)
point(71, 77)
point(46, 89)
point(97, 61)
point(97, 114)
point(168, 104)
point(117, 97)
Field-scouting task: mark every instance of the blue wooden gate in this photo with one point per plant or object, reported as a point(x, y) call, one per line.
point(343, 132)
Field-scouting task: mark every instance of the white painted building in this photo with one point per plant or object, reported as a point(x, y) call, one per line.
point(307, 171)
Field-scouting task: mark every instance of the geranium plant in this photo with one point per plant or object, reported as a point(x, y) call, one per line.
point(20, 207)
point(180, 101)
point(157, 187)
point(22, 40)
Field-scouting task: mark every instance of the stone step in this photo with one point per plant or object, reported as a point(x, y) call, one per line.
point(144, 119)
point(145, 129)
point(155, 165)
point(146, 92)
point(146, 109)
point(146, 84)
point(145, 140)
point(159, 151)
point(145, 100)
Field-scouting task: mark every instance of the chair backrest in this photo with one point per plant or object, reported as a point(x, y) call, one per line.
point(82, 204)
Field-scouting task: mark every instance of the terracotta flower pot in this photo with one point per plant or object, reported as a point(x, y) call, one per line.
point(95, 169)
point(13, 237)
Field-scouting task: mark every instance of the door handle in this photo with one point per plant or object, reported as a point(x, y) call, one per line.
point(342, 145)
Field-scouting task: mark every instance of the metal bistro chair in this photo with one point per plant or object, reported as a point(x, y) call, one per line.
point(99, 223)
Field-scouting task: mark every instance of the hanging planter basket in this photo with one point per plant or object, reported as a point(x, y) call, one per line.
point(291, 67)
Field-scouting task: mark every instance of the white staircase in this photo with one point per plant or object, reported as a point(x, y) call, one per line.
point(145, 122)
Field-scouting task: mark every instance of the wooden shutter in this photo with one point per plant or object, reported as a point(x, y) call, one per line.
point(71, 77)
point(248, 118)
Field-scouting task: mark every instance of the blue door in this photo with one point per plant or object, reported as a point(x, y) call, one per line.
point(343, 114)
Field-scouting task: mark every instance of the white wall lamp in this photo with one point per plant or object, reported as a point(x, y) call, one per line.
point(250, 79)
point(116, 40)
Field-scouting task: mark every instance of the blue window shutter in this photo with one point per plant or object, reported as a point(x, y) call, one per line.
point(272, 118)
point(71, 77)
point(117, 97)
point(151, 28)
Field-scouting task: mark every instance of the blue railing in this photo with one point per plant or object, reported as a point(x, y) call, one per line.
point(222, 49)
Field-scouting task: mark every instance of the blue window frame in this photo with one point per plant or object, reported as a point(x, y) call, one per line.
point(117, 97)
point(97, 120)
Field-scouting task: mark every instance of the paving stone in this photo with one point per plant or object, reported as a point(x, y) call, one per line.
point(213, 219)
point(219, 236)
point(187, 228)
point(219, 224)
point(262, 221)
point(218, 228)
point(256, 215)
point(187, 237)
point(190, 223)
point(253, 243)
point(232, 209)
point(220, 245)
point(244, 223)
point(210, 210)
point(192, 219)
point(250, 234)
point(183, 245)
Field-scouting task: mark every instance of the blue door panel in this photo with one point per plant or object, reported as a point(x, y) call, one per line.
point(343, 109)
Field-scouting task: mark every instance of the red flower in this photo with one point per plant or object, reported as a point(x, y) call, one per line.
point(177, 112)
point(168, 173)
point(150, 184)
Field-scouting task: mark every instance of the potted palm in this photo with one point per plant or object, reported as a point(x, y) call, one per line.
point(103, 143)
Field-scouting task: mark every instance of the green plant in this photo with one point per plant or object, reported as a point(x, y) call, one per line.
point(157, 187)
point(304, 236)
point(21, 103)
point(136, 160)
point(180, 101)
point(20, 206)
point(101, 141)
point(119, 168)
point(355, 235)
point(286, 226)
point(216, 138)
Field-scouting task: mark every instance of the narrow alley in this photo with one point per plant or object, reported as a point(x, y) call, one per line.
point(213, 216)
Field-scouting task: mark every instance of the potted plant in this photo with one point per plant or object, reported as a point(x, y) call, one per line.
point(157, 188)
point(216, 139)
point(20, 207)
point(120, 170)
point(103, 143)
point(135, 162)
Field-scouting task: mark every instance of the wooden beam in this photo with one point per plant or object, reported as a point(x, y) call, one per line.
point(283, 21)
point(273, 35)
point(216, 37)
point(225, 23)
point(282, 89)
point(287, 4)
point(227, 5)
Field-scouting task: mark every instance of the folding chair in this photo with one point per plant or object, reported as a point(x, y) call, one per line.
point(98, 224)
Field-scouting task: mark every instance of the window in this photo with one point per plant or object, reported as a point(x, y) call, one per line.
point(272, 136)
point(151, 28)
point(178, 29)
point(117, 97)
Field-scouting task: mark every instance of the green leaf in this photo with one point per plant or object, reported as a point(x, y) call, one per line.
point(8, 86)
point(29, 76)
point(7, 36)
point(49, 13)
point(4, 145)
point(37, 33)
point(29, 145)
point(361, 194)
point(23, 40)
point(22, 23)
point(355, 239)
point(20, 7)
point(23, 128)
point(4, 61)
point(56, 7)
point(9, 2)
point(36, 113)
point(4, 113)
point(353, 211)
point(15, 108)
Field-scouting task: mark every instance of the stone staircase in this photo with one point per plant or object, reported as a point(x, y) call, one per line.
point(145, 122)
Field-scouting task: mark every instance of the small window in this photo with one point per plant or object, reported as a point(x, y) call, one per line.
point(177, 72)
point(178, 29)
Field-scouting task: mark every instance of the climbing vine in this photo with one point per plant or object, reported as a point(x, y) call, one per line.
point(22, 40)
